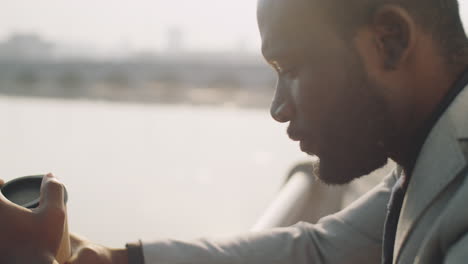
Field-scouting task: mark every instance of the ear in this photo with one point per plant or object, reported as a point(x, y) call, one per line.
point(393, 29)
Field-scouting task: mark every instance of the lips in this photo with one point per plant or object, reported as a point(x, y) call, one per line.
point(293, 135)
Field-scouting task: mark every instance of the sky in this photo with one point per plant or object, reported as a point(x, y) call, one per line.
point(139, 25)
point(135, 24)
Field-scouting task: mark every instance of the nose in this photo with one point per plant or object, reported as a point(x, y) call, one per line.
point(282, 109)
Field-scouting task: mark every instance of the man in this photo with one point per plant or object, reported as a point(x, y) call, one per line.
point(359, 81)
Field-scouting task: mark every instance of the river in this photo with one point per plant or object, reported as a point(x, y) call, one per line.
point(149, 171)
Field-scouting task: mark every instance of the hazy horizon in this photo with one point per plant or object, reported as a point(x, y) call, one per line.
point(122, 26)
point(136, 26)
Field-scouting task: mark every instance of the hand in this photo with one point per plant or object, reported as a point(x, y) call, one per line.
point(33, 235)
point(86, 252)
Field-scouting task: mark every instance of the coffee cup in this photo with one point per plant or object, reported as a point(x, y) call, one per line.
point(26, 191)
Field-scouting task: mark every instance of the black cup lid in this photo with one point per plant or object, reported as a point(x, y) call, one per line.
point(25, 191)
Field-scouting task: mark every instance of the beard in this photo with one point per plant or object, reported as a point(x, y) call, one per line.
point(354, 142)
point(342, 169)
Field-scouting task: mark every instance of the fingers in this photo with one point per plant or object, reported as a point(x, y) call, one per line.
point(52, 212)
point(52, 194)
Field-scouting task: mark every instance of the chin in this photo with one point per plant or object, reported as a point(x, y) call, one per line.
point(343, 171)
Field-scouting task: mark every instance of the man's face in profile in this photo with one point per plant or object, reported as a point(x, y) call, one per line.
point(333, 108)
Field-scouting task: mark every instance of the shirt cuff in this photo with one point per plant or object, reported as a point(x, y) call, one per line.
point(135, 253)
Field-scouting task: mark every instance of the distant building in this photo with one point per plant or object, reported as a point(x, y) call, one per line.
point(175, 41)
point(26, 47)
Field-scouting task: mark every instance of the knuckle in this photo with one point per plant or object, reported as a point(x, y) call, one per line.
point(54, 186)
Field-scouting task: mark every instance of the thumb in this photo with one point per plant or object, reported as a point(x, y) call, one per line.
point(52, 194)
point(52, 208)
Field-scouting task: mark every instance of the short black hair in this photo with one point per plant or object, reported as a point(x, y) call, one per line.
point(441, 18)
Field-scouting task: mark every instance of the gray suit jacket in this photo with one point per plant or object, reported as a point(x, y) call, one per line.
point(433, 224)
point(432, 228)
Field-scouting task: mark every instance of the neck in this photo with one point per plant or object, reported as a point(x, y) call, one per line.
point(435, 85)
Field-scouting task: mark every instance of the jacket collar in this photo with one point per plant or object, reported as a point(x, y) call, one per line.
point(441, 159)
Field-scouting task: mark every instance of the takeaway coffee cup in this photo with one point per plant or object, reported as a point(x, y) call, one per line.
point(25, 191)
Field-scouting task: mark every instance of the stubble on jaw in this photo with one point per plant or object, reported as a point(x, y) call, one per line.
point(360, 133)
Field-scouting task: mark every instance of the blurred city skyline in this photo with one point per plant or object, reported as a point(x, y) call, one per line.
point(32, 46)
point(108, 27)
point(36, 67)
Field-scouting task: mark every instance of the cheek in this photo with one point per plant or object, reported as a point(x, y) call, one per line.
point(320, 92)
point(304, 94)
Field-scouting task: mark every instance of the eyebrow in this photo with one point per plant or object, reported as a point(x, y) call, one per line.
point(280, 55)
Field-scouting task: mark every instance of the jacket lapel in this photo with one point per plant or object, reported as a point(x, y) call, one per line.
point(443, 156)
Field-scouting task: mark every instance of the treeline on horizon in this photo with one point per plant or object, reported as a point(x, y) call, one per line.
point(241, 82)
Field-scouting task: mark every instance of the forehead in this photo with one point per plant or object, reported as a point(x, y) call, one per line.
point(290, 24)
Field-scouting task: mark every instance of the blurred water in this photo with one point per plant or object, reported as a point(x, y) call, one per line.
point(149, 171)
